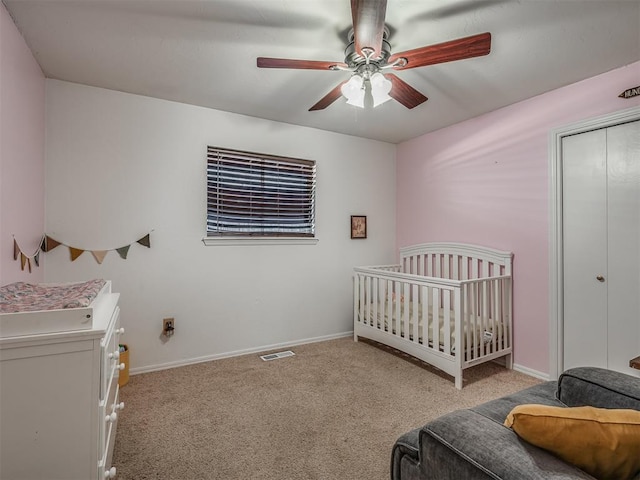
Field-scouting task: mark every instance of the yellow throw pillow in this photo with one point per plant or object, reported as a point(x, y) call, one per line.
point(603, 442)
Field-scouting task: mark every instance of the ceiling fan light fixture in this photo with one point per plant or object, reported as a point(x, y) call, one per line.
point(353, 91)
point(380, 88)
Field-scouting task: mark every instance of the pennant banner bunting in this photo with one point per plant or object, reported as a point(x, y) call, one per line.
point(25, 260)
point(99, 255)
point(47, 244)
point(122, 251)
point(146, 241)
point(75, 252)
point(50, 244)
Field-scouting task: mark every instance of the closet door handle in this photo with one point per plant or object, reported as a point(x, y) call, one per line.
point(600, 278)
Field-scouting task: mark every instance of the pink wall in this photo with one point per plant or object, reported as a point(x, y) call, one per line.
point(486, 181)
point(21, 152)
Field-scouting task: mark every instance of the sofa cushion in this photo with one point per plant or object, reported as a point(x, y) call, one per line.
point(602, 442)
point(498, 409)
point(598, 387)
point(482, 448)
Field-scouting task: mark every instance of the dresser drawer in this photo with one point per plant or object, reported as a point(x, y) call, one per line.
point(107, 407)
point(108, 419)
point(109, 413)
point(110, 355)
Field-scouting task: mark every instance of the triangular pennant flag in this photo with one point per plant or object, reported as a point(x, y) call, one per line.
point(146, 241)
point(99, 255)
point(50, 243)
point(29, 264)
point(36, 259)
point(122, 251)
point(16, 249)
point(23, 260)
point(75, 253)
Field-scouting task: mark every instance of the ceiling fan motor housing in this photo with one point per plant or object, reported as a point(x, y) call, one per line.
point(355, 60)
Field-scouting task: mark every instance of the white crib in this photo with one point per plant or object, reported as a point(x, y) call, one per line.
point(467, 288)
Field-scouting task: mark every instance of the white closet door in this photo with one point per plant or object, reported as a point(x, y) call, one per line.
point(601, 250)
point(623, 217)
point(584, 204)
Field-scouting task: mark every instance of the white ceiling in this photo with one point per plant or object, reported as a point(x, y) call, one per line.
point(204, 53)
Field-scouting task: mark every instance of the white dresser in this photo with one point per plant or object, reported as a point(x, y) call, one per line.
point(59, 400)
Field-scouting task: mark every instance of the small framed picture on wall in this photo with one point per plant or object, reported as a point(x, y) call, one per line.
point(358, 226)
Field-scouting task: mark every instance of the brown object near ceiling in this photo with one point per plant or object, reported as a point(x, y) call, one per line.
point(630, 92)
point(267, 62)
point(329, 98)
point(368, 25)
point(404, 93)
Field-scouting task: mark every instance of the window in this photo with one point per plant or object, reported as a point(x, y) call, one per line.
point(250, 194)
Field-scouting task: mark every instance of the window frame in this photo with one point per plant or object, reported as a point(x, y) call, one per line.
point(270, 168)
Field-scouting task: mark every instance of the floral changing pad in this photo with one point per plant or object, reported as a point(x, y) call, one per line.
point(30, 297)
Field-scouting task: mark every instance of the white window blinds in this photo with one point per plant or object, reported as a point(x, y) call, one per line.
point(259, 195)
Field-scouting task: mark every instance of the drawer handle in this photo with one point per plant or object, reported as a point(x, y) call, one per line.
point(111, 473)
point(121, 366)
point(118, 406)
point(111, 418)
point(114, 355)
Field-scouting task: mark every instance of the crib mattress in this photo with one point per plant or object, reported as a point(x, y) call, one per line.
point(483, 333)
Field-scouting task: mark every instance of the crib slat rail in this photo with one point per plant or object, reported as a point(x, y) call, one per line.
point(449, 305)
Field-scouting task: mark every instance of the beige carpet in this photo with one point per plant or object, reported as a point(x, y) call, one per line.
point(333, 411)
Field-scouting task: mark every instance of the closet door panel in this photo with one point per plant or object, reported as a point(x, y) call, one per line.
point(584, 203)
point(623, 215)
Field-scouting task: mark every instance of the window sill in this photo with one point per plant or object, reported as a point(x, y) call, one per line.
point(224, 241)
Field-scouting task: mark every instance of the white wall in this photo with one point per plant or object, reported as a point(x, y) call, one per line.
point(120, 165)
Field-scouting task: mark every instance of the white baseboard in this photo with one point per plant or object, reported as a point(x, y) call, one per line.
point(531, 372)
point(236, 353)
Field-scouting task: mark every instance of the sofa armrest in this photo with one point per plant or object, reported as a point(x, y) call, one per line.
point(405, 449)
point(598, 387)
point(465, 444)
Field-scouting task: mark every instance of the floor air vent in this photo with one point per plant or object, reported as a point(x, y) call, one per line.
point(274, 356)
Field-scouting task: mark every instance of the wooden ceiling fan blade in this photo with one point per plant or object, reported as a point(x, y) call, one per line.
point(266, 62)
point(467, 47)
point(403, 92)
point(368, 25)
point(329, 98)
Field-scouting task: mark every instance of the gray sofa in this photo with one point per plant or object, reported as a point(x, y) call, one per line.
point(474, 444)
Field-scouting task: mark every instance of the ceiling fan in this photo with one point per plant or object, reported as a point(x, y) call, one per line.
point(369, 59)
